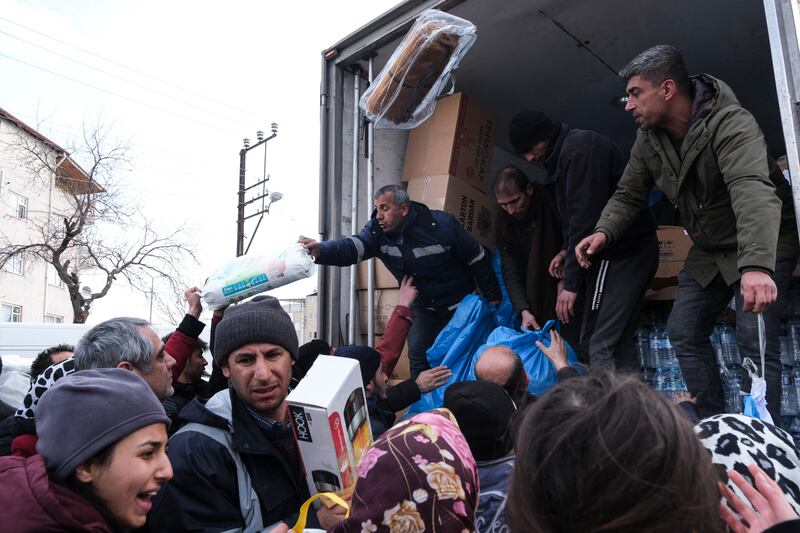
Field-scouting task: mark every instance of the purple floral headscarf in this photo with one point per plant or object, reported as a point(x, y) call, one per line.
point(418, 476)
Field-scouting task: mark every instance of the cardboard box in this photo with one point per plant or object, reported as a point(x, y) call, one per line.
point(329, 413)
point(673, 245)
point(456, 140)
point(476, 211)
point(383, 278)
point(385, 302)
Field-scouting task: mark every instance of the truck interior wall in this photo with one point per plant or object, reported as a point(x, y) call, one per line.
point(524, 57)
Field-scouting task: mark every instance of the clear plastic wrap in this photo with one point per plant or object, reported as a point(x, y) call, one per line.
point(247, 275)
point(404, 94)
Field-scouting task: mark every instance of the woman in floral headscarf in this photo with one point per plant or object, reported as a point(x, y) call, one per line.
point(418, 476)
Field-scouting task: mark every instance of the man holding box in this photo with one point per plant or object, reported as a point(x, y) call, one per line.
point(708, 155)
point(236, 463)
point(428, 245)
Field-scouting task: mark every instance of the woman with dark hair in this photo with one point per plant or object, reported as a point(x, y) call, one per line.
point(607, 453)
point(102, 456)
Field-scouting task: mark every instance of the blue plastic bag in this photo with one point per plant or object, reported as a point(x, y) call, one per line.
point(456, 345)
point(540, 370)
point(472, 329)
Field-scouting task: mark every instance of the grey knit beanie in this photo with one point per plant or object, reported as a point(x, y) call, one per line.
point(261, 319)
point(89, 410)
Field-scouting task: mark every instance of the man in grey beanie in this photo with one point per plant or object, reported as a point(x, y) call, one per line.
point(236, 463)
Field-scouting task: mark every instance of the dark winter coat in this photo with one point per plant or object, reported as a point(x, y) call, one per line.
point(203, 493)
point(382, 412)
point(31, 503)
point(526, 248)
point(734, 202)
point(586, 167)
point(494, 476)
point(445, 261)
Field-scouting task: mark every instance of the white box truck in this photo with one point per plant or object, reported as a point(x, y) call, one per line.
point(558, 56)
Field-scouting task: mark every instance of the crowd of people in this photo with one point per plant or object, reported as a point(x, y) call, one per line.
point(122, 432)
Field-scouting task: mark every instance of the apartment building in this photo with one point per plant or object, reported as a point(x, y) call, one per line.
point(31, 201)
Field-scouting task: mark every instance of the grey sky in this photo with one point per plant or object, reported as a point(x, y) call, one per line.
point(257, 62)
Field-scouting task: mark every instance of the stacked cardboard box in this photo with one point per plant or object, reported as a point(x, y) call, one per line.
point(448, 164)
point(383, 279)
point(673, 247)
point(385, 301)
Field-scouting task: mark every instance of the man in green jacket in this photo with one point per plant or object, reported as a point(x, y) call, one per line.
point(708, 155)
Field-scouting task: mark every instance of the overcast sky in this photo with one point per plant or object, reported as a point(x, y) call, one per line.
point(201, 76)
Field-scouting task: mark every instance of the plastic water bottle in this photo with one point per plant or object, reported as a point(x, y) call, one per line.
point(661, 380)
point(794, 431)
point(658, 343)
point(793, 340)
point(787, 357)
point(788, 394)
point(796, 384)
point(730, 350)
point(716, 344)
point(731, 387)
point(658, 356)
point(642, 341)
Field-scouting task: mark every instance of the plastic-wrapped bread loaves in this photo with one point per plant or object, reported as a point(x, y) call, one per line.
point(404, 94)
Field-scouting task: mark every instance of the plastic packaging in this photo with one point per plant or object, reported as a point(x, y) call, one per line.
point(247, 275)
point(404, 94)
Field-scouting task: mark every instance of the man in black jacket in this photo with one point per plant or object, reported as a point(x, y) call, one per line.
point(583, 169)
point(236, 462)
point(529, 239)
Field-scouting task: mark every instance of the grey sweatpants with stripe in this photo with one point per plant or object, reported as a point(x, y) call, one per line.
point(614, 292)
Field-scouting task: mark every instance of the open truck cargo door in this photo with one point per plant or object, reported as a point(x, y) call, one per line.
point(559, 57)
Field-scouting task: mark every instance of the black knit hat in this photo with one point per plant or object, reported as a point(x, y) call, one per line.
point(261, 319)
point(484, 411)
point(368, 359)
point(528, 128)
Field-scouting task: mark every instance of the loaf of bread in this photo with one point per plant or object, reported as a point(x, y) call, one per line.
point(404, 93)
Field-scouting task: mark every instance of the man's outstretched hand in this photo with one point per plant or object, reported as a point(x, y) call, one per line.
point(590, 246)
point(311, 245)
point(556, 352)
point(408, 292)
point(433, 378)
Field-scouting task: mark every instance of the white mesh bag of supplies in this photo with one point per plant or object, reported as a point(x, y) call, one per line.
point(247, 275)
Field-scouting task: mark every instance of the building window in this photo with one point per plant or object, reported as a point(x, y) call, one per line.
point(10, 313)
point(14, 265)
point(52, 276)
point(17, 206)
point(53, 319)
point(296, 308)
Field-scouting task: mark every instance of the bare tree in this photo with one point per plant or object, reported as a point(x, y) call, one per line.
point(98, 232)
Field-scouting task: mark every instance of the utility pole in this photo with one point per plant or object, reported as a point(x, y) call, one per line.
point(240, 250)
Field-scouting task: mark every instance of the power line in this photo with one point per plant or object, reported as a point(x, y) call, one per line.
point(127, 67)
point(134, 83)
point(135, 146)
point(183, 159)
point(118, 95)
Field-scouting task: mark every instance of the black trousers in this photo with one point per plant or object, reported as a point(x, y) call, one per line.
point(692, 321)
point(613, 297)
